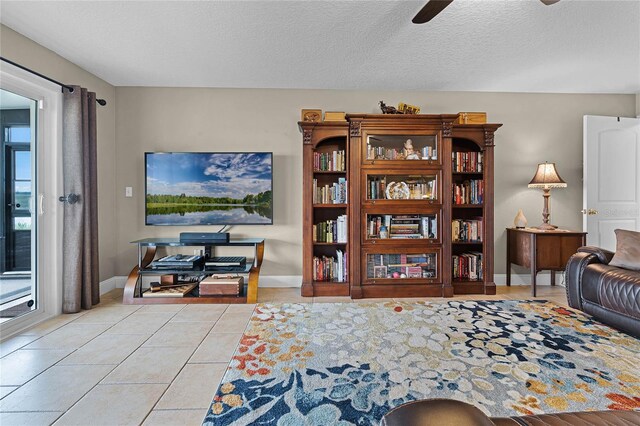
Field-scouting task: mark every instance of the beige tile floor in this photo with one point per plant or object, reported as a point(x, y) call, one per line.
point(131, 365)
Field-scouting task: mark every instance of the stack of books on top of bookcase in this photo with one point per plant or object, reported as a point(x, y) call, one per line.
point(467, 162)
point(334, 161)
point(331, 231)
point(334, 194)
point(331, 269)
point(467, 266)
point(468, 192)
point(463, 230)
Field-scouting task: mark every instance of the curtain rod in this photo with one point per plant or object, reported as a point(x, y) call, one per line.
point(62, 85)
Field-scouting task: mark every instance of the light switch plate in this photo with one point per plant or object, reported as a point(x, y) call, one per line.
point(128, 191)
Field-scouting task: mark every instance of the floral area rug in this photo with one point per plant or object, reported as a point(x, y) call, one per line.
point(350, 363)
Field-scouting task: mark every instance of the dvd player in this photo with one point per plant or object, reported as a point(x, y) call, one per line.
point(177, 261)
point(226, 261)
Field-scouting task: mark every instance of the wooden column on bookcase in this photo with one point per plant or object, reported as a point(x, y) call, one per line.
point(489, 282)
point(312, 134)
point(445, 229)
point(355, 139)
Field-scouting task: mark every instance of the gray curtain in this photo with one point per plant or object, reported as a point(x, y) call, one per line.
point(80, 236)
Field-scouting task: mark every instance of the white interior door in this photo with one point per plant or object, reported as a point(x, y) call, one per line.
point(611, 182)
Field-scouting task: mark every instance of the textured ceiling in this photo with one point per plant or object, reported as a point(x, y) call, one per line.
point(573, 46)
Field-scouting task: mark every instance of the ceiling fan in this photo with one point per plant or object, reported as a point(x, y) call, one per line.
point(433, 7)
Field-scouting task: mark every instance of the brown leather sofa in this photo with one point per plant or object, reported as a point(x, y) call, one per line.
point(608, 293)
point(448, 412)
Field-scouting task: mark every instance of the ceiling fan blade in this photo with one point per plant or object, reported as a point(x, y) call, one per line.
point(430, 10)
point(549, 2)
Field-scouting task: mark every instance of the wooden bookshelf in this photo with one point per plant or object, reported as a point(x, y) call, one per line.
point(412, 198)
point(473, 140)
point(322, 138)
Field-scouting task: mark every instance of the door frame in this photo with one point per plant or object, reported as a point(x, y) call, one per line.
point(49, 211)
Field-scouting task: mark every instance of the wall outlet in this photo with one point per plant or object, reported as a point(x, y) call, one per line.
point(128, 191)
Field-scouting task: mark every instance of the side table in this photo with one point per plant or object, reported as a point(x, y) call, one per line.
point(541, 250)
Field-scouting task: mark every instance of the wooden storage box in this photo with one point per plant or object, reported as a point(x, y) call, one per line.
point(472, 118)
point(335, 116)
point(221, 285)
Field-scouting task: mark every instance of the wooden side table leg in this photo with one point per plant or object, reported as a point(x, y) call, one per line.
point(553, 277)
point(534, 265)
point(254, 275)
point(508, 259)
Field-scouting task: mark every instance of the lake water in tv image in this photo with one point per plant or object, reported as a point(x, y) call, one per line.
point(208, 188)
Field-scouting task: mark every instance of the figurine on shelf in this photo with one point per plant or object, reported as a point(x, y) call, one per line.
point(388, 109)
point(409, 153)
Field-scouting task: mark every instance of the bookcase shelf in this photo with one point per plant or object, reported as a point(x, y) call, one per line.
point(409, 262)
point(330, 206)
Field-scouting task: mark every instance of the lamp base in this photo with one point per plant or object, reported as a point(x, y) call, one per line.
point(547, 227)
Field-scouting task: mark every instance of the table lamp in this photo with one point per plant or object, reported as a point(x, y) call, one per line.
point(547, 177)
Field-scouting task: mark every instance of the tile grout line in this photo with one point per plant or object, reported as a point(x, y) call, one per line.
point(76, 349)
point(184, 365)
point(115, 366)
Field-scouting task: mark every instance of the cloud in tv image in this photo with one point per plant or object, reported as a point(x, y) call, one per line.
point(209, 188)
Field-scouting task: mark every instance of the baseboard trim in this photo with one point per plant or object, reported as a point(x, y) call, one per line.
point(280, 281)
point(107, 285)
point(544, 278)
point(267, 281)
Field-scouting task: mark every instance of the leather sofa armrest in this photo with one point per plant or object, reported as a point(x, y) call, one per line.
point(436, 412)
point(604, 256)
point(573, 275)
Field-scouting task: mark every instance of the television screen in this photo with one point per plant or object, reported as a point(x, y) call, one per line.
point(214, 188)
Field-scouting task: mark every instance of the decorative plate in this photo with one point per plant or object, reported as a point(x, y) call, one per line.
point(397, 191)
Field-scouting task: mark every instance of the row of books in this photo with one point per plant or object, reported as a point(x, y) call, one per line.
point(377, 190)
point(403, 226)
point(467, 266)
point(467, 161)
point(331, 231)
point(466, 230)
point(335, 161)
point(468, 192)
point(383, 153)
point(331, 269)
point(334, 194)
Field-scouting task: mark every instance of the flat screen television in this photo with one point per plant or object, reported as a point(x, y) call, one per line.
point(208, 188)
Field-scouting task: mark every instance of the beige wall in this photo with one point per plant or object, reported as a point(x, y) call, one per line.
point(24, 51)
point(537, 127)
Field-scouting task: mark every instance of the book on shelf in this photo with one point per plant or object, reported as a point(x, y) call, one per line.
point(330, 194)
point(467, 161)
point(331, 231)
point(331, 269)
point(334, 161)
point(466, 230)
point(468, 192)
point(467, 266)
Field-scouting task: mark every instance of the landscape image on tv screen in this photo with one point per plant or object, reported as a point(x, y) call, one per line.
point(194, 188)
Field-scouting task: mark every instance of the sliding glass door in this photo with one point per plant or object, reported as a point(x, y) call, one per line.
point(18, 215)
